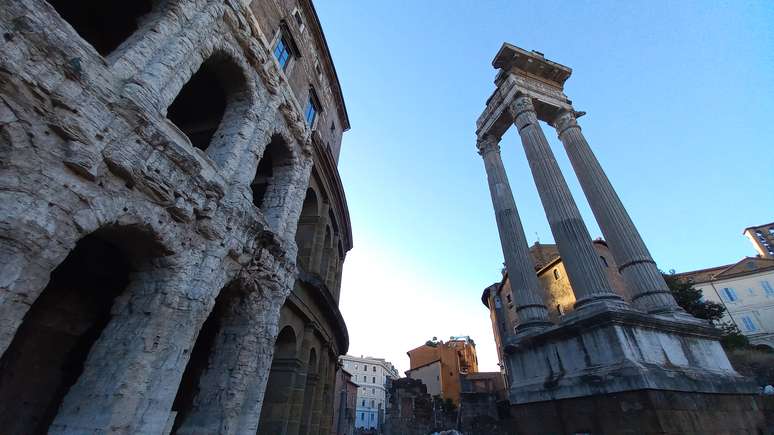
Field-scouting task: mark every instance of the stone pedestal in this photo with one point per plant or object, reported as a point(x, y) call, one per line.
point(642, 412)
point(602, 351)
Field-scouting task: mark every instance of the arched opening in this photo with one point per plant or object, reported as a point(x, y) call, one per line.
point(103, 24)
point(276, 402)
point(48, 352)
point(312, 377)
point(305, 231)
point(209, 98)
point(271, 177)
point(326, 254)
point(224, 312)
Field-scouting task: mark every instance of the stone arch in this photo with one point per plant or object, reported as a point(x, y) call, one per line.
point(105, 25)
point(286, 344)
point(47, 354)
point(312, 379)
point(327, 252)
point(210, 108)
point(306, 229)
point(282, 378)
point(273, 178)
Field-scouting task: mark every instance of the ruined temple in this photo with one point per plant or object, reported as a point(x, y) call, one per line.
point(172, 221)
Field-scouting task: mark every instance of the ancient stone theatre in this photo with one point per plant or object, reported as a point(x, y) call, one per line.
point(172, 222)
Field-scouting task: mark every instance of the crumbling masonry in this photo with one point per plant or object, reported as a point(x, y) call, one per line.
point(155, 162)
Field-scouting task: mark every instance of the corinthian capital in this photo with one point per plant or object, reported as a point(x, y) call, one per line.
point(522, 103)
point(566, 119)
point(487, 144)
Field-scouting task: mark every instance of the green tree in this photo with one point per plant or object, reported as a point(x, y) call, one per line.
point(689, 298)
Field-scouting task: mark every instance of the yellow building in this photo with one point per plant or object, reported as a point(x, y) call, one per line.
point(762, 237)
point(440, 365)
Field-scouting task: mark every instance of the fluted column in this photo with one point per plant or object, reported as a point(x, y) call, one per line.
point(584, 271)
point(648, 288)
point(521, 270)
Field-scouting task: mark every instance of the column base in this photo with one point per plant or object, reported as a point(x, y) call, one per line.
point(602, 350)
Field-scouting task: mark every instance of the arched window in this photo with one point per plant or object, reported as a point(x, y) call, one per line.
point(214, 94)
point(556, 273)
point(603, 260)
point(104, 24)
point(272, 174)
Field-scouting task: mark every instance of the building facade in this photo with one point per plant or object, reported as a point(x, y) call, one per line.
point(744, 288)
point(557, 292)
point(172, 222)
point(762, 238)
point(440, 365)
point(344, 404)
point(372, 376)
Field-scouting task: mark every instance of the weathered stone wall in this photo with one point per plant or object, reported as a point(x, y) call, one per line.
point(643, 412)
point(86, 149)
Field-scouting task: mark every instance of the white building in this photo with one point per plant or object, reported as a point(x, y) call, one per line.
point(370, 374)
point(746, 289)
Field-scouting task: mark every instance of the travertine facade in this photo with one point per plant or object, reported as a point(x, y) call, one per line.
point(157, 160)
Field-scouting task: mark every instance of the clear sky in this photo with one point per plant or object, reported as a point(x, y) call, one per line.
point(680, 102)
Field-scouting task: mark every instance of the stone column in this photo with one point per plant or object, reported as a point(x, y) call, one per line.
point(584, 271)
point(649, 291)
point(521, 270)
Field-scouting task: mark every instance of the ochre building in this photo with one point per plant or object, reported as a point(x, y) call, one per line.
point(440, 365)
point(172, 222)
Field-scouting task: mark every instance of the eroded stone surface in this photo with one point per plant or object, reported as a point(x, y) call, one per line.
point(86, 149)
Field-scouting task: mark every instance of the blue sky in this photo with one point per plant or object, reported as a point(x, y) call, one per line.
point(680, 103)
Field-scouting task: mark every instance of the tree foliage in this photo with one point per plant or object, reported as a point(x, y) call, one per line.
point(690, 299)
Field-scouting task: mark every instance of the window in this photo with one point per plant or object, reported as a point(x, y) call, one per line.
point(374, 367)
point(365, 367)
point(372, 403)
point(730, 294)
point(560, 309)
point(365, 378)
point(355, 366)
point(767, 288)
point(556, 274)
point(374, 380)
point(604, 260)
point(771, 231)
point(282, 51)
point(509, 298)
point(312, 107)
point(372, 417)
point(749, 325)
point(299, 20)
point(363, 402)
point(373, 390)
